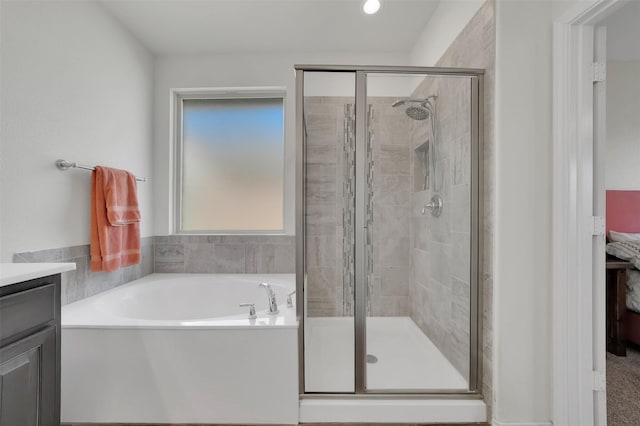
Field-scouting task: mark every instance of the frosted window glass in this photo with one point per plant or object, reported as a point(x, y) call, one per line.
point(233, 164)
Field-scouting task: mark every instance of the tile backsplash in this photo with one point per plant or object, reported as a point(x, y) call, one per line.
point(250, 254)
point(82, 283)
point(179, 253)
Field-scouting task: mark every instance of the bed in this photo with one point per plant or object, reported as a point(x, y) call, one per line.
point(623, 262)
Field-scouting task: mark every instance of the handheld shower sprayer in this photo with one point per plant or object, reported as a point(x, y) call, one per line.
point(421, 109)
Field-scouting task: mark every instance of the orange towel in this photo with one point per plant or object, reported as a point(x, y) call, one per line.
point(115, 220)
point(120, 196)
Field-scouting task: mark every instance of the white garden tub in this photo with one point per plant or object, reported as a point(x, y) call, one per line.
point(177, 348)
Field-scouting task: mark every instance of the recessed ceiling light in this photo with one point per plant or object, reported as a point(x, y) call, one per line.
point(371, 6)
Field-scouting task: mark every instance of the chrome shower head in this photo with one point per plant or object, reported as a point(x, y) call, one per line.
point(417, 112)
point(419, 109)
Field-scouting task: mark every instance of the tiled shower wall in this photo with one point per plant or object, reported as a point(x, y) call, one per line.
point(473, 48)
point(441, 245)
point(181, 253)
point(329, 292)
point(329, 135)
point(391, 131)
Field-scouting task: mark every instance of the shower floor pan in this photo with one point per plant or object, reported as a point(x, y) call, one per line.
point(406, 358)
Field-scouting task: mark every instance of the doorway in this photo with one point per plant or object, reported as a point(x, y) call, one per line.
point(620, 181)
point(580, 138)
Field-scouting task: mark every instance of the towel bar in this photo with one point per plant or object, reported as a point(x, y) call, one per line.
point(66, 165)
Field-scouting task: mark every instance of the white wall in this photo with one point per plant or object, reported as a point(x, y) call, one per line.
point(446, 23)
point(522, 287)
point(235, 70)
point(522, 305)
point(74, 85)
point(623, 125)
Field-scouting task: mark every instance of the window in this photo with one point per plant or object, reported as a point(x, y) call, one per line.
point(230, 163)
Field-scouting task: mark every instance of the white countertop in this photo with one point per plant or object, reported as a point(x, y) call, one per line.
point(11, 273)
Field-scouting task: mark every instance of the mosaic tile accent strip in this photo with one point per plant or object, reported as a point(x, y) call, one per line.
point(348, 210)
point(369, 209)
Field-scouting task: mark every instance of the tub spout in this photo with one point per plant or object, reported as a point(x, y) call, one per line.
point(271, 296)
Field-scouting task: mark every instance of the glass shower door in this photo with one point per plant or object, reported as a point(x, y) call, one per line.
point(418, 247)
point(388, 223)
point(329, 163)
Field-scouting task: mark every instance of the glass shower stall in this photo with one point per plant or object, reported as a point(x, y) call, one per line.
point(388, 227)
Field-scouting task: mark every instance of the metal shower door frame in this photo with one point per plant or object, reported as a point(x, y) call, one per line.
point(476, 77)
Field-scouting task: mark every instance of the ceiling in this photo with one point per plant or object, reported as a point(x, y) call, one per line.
point(176, 27)
point(623, 33)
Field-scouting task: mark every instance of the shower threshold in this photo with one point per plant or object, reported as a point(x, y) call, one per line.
point(336, 410)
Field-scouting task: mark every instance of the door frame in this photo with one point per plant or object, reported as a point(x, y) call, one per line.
point(574, 334)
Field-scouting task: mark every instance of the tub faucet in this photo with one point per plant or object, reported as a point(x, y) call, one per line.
point(290, 299)
point(271, 296)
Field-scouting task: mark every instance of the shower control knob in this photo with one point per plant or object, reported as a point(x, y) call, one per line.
point(434, 206)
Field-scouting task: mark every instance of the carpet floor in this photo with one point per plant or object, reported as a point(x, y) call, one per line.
point(623, 388)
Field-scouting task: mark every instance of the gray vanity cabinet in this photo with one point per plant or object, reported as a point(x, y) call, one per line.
point(30, 353)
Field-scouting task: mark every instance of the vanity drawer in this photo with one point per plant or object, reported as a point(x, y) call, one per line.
point(26, 310)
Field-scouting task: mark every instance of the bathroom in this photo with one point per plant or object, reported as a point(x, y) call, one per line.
point(95, 83)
